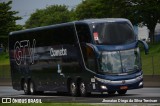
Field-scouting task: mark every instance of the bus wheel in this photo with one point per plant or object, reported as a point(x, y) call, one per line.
point(73, 89)
point(122, 92)
point(32, 88)
point(111, 92)
point(26, 88)
point(82, 88)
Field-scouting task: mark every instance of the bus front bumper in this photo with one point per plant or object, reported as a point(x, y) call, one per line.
point(107, 85)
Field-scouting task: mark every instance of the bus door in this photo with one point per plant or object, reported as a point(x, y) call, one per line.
point(88, 58)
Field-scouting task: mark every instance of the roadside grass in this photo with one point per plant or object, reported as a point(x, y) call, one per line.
point(151, 62)
point(4, 58)
point(4, 65)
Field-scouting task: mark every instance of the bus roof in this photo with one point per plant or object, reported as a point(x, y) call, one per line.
point(39, 28)
point(87, 21)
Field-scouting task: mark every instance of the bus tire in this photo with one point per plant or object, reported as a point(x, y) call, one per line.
point(32, 88)
point(73, 89)
point(82, 89)
point(122, 92)
point(26, 88)
point(111, 92)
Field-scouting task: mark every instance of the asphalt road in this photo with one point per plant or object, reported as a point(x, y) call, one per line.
point(139, 95)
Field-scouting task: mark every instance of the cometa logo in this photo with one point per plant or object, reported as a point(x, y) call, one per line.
point(60, 52)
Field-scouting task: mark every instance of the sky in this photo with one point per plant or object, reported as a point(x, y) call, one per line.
point(27, 7)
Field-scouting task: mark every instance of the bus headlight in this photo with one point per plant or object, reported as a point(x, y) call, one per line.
point(103, 87)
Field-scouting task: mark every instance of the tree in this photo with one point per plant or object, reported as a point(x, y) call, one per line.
point(97, 9)
point(53, 14)
point(7, 22)
point(147, 13)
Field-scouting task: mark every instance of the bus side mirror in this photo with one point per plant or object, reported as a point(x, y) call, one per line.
point(146, 48)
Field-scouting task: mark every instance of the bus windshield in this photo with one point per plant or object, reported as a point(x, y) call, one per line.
point(118, 62)
point(113, 33)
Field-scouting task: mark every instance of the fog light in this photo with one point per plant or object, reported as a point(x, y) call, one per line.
point(103, 87)
point(141, 83)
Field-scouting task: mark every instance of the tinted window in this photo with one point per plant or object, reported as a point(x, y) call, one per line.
point(83, 32)
point(113, 33)
point(57, 35)
point(54, 35)
point(63, 35)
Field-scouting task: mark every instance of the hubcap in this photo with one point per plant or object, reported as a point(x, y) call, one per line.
point(73, 88)
point(31, 87)
point(82, 88)
point(25, 87)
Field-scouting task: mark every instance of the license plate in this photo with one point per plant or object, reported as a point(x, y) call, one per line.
point(124, 87)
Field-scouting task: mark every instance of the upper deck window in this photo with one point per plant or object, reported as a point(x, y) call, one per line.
point(83, 32)
point(113, 33)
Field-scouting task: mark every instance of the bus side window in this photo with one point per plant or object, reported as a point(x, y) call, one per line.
point(64, 35)
point(83, 32)
point(90, 62)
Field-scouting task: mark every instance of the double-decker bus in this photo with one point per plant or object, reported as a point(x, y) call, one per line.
point(80, 57)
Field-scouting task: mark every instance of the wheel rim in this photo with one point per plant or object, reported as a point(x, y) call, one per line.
point(73, 88)
point(82, 88)
point(25, 87)
point(31, 88)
